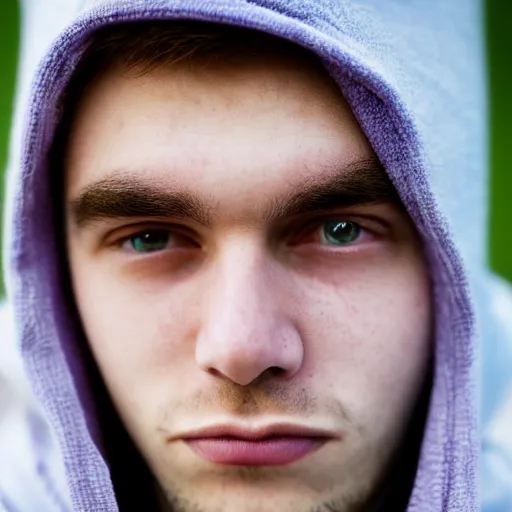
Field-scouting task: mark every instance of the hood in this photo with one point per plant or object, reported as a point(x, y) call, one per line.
point(413, 75)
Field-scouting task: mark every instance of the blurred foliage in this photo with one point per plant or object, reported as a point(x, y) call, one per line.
point(500, 80)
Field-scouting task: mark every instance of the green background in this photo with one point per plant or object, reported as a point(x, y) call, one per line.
point(500, 77)
point(499, 54)
point(9, 44)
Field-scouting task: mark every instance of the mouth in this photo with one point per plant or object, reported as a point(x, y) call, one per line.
point(273, 445)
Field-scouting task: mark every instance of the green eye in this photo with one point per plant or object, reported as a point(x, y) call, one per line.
point(149, 241)
point(340, 233)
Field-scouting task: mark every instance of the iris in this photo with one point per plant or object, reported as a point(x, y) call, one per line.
point(150, 241)
point(340, 233)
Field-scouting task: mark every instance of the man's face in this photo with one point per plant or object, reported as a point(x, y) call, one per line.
point(255, 298)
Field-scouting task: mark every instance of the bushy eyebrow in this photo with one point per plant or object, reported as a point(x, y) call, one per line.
point(128, 196)
point(360, 183)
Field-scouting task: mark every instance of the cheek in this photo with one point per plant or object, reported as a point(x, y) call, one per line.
point(368, 334)
point(142, 339)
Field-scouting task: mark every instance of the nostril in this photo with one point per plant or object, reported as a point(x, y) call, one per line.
point(276, 371)
point(269, 373)
point(214, 373)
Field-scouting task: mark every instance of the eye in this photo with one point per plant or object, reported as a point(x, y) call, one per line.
point(339, 232)
point(149, 241)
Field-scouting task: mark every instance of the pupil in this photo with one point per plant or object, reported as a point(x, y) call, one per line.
point(341, 232)
point(150, 241)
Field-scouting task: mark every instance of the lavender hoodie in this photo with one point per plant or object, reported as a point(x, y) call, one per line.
point(412, 73)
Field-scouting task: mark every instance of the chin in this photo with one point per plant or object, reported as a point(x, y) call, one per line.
point(254, 491)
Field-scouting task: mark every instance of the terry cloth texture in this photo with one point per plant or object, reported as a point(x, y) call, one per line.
point(412, 73)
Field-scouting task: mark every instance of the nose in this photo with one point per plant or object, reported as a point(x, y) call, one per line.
point(244, 331)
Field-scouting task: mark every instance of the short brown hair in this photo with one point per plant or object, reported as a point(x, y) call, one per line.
point(144, 46)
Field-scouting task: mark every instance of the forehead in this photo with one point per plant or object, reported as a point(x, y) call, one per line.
point(270, 120)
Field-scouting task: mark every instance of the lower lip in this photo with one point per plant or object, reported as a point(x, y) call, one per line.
point(274, 451)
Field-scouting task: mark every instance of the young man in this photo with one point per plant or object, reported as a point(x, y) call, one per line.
point(241, 278)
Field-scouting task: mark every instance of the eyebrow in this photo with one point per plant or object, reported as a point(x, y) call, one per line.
point(123, 196)
point(360, 183)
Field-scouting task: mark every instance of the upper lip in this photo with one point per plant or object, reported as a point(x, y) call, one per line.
point(253, 433)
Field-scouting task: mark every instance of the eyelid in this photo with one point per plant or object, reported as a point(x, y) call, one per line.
point(119, 236)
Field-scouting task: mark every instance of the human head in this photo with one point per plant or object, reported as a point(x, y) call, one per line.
point(239, 257)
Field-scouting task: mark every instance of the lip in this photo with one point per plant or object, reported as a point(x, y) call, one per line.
point(270, 445)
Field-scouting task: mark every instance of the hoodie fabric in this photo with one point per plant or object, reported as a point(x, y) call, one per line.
point(413, 75)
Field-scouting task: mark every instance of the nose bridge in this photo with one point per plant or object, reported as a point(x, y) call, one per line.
point(244, 331)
